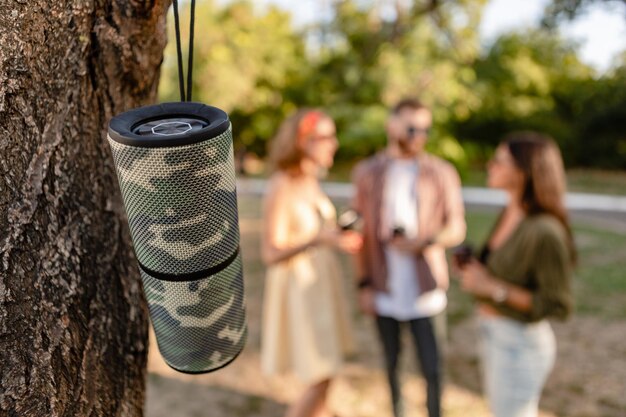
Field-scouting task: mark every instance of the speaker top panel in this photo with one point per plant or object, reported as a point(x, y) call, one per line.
point(168, 125)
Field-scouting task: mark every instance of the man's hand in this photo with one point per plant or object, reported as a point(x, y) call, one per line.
point(411, 246)
point(366, 299)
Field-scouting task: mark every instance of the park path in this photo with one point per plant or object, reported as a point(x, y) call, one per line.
point(475, 196)
point(599, 210)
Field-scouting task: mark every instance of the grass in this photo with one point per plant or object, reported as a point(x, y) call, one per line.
point(600, 284)
point(593, 181)
point(597, 181)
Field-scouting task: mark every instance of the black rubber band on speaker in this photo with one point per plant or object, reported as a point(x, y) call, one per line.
point(192, 276)
point(121, 126)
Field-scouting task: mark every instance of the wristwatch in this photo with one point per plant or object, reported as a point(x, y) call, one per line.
point(500, 294)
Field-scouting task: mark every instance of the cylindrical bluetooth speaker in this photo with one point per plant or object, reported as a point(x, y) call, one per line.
point(174, 163)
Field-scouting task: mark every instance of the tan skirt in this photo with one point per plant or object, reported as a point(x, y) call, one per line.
point(306, 328)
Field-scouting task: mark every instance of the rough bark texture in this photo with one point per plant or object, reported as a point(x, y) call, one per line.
point(73, 321)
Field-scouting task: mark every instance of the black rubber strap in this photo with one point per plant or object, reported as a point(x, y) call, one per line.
point(192, 276)
point(179, 53)
point(181, 80)
point(190, 63)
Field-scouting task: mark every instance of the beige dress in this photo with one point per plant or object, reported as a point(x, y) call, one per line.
point(305, 322)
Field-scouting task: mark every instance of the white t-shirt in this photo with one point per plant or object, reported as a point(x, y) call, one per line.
point(403, 300)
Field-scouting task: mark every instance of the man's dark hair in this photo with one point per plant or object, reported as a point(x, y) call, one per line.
point(408, 103)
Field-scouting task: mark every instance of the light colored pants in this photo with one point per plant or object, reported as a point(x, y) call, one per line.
point(516, 360)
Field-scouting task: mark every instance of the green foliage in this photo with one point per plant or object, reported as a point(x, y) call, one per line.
point(374, 57)
point(600, 271)
point(516, 81)
point(558, 10)
point(536, 81)
point(254, 64)
point(244, 61)
point(598, 116)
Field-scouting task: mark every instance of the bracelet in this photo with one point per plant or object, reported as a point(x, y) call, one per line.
point(500, 295)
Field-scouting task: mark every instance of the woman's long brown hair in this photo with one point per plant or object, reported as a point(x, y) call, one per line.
point(539, 158)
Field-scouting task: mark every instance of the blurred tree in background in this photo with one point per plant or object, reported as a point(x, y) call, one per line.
point(363, 55)
point(524, 82)
point(378, 52)
point(558, 10)
point(536, 81)
point(244, 62)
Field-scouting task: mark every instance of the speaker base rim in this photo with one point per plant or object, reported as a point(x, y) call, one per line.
point(210, 370)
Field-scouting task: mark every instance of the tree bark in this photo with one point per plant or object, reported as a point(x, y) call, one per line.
point(73, 320)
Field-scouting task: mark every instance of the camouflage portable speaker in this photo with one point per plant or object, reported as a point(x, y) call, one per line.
point(174, 163)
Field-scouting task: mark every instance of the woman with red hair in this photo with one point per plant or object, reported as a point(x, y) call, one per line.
point(305, 322)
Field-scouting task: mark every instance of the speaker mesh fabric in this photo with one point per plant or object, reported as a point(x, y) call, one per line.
point(181, 203)
point(199, 324)
point(175, 166)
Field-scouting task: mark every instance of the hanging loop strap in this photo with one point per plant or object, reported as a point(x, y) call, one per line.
point(179, 53)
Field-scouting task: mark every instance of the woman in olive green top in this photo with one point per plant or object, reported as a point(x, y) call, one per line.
point(523, 274)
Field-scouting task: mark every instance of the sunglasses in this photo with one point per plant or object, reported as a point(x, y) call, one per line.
point(413, 131)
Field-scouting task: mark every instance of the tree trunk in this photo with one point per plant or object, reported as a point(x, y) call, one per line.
point(73, 320)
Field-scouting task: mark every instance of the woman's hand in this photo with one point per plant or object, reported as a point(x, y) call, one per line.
point(475, 279)
point(348, 241)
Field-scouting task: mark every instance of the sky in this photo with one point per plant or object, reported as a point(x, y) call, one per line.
point(601, 33)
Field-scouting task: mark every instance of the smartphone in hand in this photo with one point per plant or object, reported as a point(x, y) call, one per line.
point(348, 220)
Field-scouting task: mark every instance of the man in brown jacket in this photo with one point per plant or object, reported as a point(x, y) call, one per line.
point(412, 210)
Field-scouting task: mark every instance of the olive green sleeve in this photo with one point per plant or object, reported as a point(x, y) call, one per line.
point(552, 273)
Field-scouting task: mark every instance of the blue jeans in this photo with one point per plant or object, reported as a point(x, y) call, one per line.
point(516, 361)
